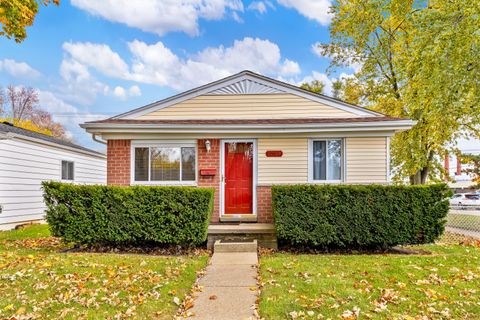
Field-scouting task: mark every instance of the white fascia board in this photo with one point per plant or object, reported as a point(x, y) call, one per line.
point(222, 83)
point(248, 128)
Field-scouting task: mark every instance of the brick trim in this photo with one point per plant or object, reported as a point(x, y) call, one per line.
point(264, 204)
point(118, 162)
point(210, 160)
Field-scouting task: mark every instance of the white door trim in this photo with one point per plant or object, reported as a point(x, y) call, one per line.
point(222, 182)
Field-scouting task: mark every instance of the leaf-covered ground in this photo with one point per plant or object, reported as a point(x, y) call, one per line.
point(37, 281)
point(443, 285)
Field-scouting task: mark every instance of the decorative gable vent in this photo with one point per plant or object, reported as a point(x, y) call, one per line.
point(246, 87)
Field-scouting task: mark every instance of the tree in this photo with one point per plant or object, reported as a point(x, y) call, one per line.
point(420, 61)
point(20, 106)
point(315, 86)
point(16, 15)
point(337, 86)
point(473, 168)
point(349, 90)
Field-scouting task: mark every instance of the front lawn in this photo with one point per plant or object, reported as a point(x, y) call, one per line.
point(443, 285)
point(37, 281)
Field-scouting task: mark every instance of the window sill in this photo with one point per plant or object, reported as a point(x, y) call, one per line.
point(325, 181)
point(164, 183)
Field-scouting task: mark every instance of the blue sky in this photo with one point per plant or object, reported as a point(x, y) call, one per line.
point(92, 59)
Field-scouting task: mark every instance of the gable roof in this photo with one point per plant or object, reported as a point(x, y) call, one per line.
point(8, 130)
point(247, 82)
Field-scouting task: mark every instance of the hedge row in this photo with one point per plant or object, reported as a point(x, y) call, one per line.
point(128, 215)
point(359, 216)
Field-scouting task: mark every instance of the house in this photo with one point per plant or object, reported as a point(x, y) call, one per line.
point(26, 159)
point(243, 134)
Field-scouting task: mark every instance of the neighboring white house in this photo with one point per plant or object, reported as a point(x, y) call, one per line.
point(26, 159)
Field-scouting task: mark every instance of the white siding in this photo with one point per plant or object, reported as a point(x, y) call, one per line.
point(24, 165)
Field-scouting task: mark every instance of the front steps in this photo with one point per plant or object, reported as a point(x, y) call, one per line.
point(234, 246)
point(242, 234)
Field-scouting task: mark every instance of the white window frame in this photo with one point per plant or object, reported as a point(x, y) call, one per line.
point(61, 170)
point(310, 160)
point(163, 144)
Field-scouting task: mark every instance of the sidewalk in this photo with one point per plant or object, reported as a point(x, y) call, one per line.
point(229, 288)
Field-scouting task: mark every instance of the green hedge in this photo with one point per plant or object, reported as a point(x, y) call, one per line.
point(359, 216)
point(128, 215)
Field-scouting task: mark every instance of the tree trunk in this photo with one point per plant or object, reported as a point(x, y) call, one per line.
point(421, 176)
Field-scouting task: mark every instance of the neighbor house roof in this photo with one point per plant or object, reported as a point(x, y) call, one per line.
point(8, 130)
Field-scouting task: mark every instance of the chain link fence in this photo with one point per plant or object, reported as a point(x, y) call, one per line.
point(463, 222)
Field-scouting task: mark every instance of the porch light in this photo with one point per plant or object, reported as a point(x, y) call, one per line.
point(207, 145)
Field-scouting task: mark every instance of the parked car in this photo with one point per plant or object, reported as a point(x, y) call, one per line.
point(466, 199)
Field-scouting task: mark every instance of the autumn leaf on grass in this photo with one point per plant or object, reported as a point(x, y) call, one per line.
point(351, 314)
point(176, 301)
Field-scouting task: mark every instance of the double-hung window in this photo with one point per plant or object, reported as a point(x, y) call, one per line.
point(168, 163)
point(326, 160)
point(67, 170)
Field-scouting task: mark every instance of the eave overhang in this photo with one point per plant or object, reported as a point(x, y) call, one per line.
point(132, 127)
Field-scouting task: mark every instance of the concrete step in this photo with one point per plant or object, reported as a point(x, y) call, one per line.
point(235, 246)
point(264, 233)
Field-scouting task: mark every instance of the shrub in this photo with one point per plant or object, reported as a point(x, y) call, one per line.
point(128, 215)
point(359, 216)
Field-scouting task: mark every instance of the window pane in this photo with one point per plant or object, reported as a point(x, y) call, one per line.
point(334, 160)
point(64, 170)
point(70, 171)
point(67, 170)
point(165, 164)
point(319, 160)
point(141, 164)
point(188, 164)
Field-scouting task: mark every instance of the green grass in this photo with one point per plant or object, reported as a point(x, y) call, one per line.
point(464, 221)
point(37, 280)
point(443, 285)
point(30, 232)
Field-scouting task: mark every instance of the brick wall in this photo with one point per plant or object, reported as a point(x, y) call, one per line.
point(210, 160)
point(264, 204)
point(118, 173)
point(118, 162)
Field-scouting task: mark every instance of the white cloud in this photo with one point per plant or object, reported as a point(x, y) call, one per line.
point(122, 93)
point(134, 91)
point(236, 17)
point(160, 17)
point(18, 69)
point(78, 84)
point(157, 64)
point(260, 6)
point(347, 55)
point(318, 10)
point(68, 115)
point(98, 56)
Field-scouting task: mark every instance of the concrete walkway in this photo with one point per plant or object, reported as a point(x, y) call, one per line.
point(229, 288)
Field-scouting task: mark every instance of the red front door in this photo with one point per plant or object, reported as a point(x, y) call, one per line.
point(238, 177)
